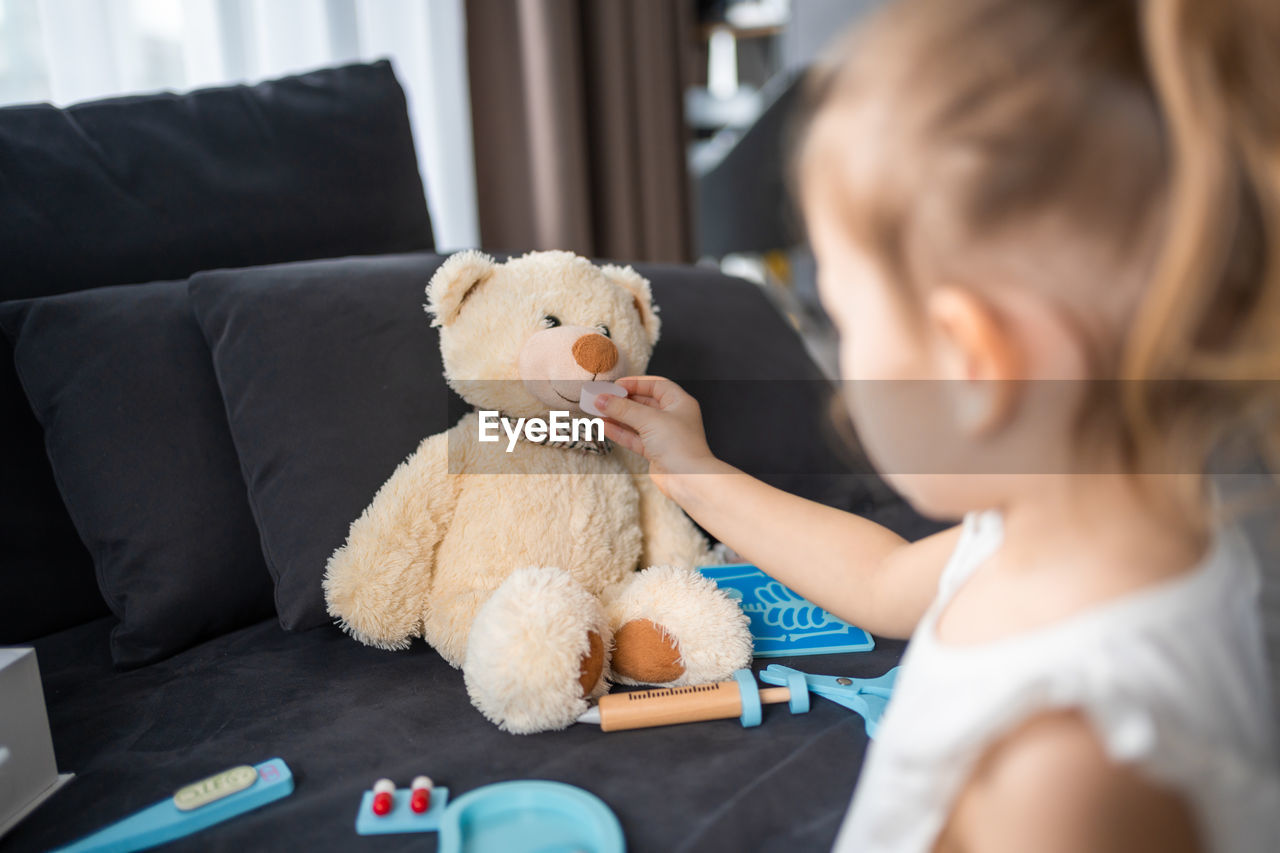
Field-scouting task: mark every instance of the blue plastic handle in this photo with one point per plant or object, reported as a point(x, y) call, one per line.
point(752, 713)
point(799, 687)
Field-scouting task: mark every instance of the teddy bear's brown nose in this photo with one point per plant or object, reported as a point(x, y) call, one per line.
point(595, 353)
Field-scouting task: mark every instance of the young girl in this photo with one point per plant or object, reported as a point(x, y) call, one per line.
point(1065, 215)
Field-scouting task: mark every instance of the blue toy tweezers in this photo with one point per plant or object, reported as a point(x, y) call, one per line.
point(865, 696)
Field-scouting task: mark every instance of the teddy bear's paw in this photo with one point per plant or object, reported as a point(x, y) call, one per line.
point(644, 652)
point(673, 626)
point(375, 607)
point(538, 649)
point(591, 667)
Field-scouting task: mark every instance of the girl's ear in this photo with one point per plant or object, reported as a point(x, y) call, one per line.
point(977, 353)
point(454, 281)
point(638, 286)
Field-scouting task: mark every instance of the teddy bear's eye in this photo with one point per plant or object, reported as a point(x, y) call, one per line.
point(604, 330)
point(551, 321)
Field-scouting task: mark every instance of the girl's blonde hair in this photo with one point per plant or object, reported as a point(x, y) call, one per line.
point(1123, 154)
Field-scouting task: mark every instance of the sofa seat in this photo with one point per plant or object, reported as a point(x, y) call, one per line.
point(342, 715)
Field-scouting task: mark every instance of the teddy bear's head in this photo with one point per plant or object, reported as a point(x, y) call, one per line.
point(522, 336)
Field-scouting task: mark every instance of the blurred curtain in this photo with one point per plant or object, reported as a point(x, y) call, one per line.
point(578, 117)
point(73, 50)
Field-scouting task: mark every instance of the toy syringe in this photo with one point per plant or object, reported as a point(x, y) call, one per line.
point(740, 698)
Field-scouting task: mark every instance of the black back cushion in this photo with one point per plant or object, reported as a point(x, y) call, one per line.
point(157, 187)
point(46, 574)
point(122, 382)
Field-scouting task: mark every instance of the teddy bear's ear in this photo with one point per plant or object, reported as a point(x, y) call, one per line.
point(638, 286)
point(456, 279)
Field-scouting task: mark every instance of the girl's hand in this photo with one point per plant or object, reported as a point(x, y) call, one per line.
point(662, 423)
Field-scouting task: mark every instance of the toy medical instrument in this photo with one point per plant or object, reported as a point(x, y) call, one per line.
point(530, 815)
point(195, 807)
point(416, 809)
point(741, 698)
point(865, 696)
point(591, 390)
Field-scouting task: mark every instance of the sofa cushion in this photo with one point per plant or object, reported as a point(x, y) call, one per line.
point(46, 575)
point(331, 375)
point(123, 385)
point(156, 187)
point(152, 187)
point(342, 715)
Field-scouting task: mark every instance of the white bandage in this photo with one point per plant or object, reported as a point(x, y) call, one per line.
point(591, 390)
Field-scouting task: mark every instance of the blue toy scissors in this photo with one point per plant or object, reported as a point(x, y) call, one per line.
point(865, 696)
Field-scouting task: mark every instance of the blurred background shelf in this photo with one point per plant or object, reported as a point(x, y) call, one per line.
point(741, 109)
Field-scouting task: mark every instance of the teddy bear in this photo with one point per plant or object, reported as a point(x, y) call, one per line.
point(543, 569)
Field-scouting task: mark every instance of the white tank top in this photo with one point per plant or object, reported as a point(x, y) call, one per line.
point(1172, 678)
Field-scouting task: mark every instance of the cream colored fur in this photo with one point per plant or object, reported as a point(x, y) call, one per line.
point(693, 611)
point(520, 684)
point(505, 562)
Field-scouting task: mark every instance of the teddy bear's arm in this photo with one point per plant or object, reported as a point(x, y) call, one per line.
point(376, 584)
point(670, 537)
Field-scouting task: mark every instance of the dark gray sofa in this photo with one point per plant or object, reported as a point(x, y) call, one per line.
point(285, 227)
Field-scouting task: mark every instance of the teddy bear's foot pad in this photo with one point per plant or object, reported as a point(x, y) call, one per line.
point(645, 652)
point(592, 665)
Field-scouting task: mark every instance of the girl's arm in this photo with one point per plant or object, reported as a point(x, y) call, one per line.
point(858, 570)
point(862, 572)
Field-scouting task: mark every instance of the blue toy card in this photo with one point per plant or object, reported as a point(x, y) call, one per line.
point(782, 623)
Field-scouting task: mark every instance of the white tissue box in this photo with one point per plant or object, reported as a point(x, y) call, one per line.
point(28, 772)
